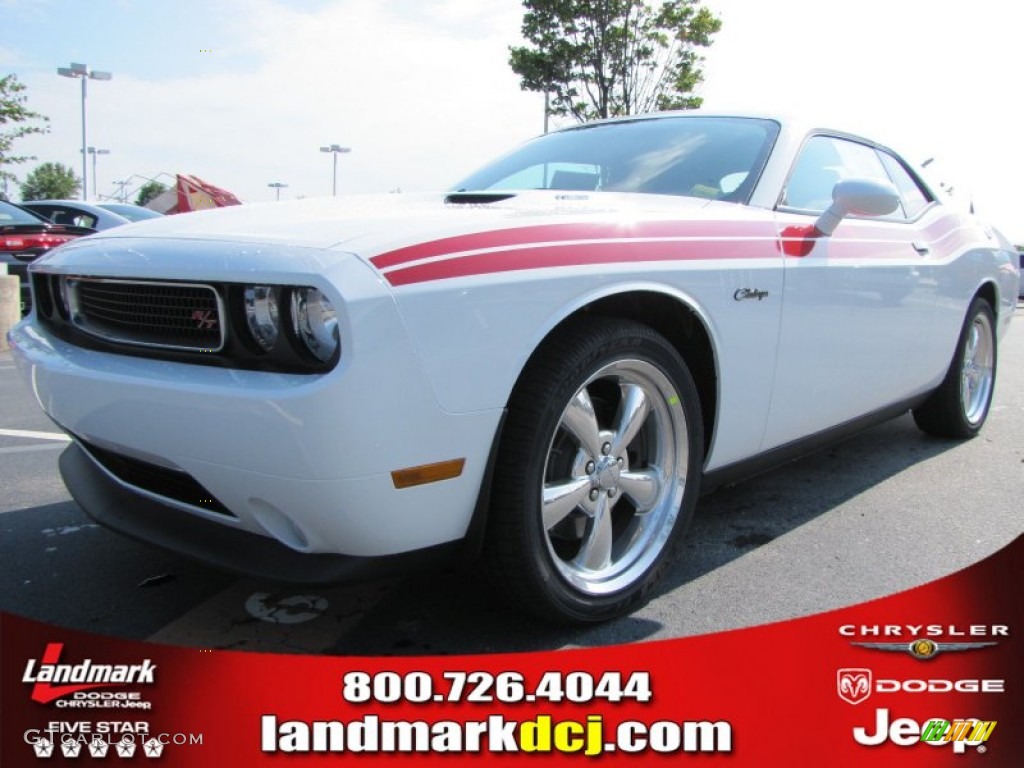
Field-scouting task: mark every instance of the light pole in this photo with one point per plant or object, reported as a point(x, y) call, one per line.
point(95, 184)
point(277, 186)
point(81, 71)
point(121, 195)
point(335, 150)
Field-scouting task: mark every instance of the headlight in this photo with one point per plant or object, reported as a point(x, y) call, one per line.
point(315, 322)
point(261, 315)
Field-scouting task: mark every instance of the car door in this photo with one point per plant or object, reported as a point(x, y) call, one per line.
point(857, 305)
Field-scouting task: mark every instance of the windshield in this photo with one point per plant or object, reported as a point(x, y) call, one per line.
point(709, 157)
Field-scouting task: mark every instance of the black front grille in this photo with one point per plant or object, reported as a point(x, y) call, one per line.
point(194, 323)
point(169, 483)
point(164, 315)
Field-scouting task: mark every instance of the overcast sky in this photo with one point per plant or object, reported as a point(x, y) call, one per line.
point(244, 92)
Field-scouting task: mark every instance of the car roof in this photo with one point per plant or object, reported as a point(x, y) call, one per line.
point(792, 124)
point(84, 205)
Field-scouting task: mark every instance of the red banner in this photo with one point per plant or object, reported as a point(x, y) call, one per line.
point(194, 194)
point(928, 677)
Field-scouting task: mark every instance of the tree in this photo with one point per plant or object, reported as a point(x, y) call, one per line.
point(14, 113)
point(50, 181)
point(605, 58)
point(148, 191)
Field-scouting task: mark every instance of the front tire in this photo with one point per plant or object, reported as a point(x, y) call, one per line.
point(959, 407)
point(597, 474)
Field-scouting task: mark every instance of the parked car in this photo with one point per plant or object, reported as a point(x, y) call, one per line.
point(24, 237)
point(131, 212)
point(543, 366)
point(76, 213)
point(1020, 254)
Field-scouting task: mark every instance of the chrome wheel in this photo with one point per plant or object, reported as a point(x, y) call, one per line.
point(978, 367)
point(959, 406)
point(614, 475)
point(598, 471)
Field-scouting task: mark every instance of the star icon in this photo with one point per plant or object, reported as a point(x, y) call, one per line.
point(98, 747)
point(43, 748)
point(125, 748)
point(153, 748)
point(71, 748)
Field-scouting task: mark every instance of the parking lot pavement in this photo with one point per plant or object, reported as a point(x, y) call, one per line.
point(29, 446)
point(884, 511)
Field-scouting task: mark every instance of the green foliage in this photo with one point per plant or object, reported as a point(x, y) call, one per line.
point(148, 191)
point(13, 118)
point(50, 181)
point(606, 58)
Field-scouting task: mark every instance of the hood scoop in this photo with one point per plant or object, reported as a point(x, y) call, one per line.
point(477, 198)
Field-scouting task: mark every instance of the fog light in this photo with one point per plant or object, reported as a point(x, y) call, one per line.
point(315, 323)
point(261, 315)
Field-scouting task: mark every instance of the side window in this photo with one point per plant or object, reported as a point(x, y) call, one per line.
point(823, 161)
point(914, 198)
point(44, 211)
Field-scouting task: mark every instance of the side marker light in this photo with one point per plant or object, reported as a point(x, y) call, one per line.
point(427, 473)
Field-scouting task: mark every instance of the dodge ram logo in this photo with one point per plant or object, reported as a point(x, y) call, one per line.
point(853, 685)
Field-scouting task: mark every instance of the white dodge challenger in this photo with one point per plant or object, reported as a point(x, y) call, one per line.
point(542, 367)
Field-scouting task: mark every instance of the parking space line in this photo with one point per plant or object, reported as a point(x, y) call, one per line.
point(30, 448)
point(59, 436)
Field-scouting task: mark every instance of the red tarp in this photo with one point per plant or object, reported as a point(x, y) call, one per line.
point(192, 194)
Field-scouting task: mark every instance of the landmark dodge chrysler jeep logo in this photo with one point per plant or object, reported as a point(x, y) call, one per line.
point(935, 732)
point(924, 641)
point(923, 648)
point(853, 685)
point(79, 677)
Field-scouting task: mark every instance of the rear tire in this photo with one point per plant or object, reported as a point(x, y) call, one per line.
point(597, 474)
point(959, 407)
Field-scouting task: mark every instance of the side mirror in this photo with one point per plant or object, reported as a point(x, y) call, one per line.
point(860, 197)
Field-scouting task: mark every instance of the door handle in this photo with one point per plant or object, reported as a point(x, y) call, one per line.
point(921, 248)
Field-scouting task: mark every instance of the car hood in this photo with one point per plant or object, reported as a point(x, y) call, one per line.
point(371, 224)
point(274, 239)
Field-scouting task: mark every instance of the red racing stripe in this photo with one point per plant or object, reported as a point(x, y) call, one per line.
point(546, 233)
point(863, 239)
point(576, 254)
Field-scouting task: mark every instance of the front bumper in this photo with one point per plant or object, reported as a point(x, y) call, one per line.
point(302, 460)
point(111, 504)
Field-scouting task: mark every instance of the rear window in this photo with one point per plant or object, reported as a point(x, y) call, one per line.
point(12, 214)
